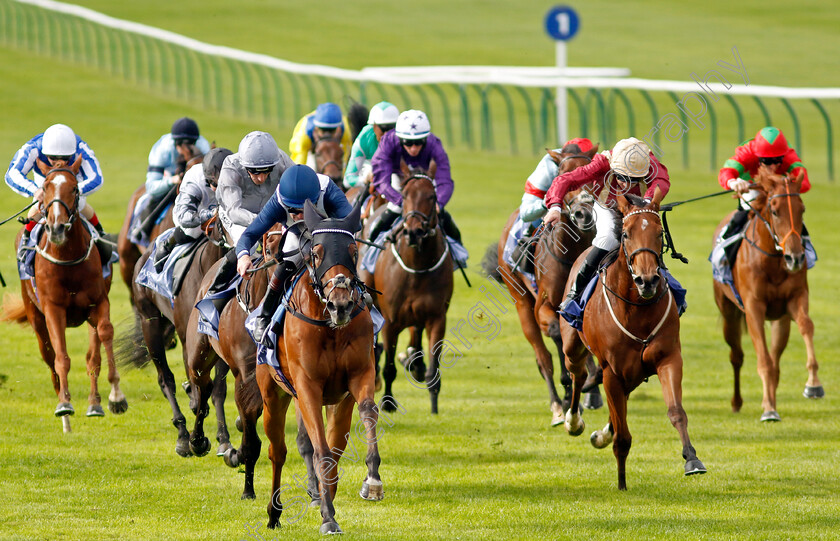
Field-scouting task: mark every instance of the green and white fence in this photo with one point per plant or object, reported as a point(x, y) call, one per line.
point(508, 110)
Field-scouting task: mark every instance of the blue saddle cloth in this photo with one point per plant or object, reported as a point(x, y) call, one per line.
point(457, 250)
point(135, 235)
point(26, 268)
point(208, 322)
point(574, 313)
point(168, 281)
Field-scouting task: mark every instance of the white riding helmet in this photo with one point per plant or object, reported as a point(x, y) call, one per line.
point(383, 113)
point(58, 140)
point(413, 124)
point(258, 150)
point(630, 157)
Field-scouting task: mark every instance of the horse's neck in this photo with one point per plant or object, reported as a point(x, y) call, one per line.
point(564, 241)
point(76, 244)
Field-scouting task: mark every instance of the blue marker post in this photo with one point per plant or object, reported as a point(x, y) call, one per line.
point(561, 24)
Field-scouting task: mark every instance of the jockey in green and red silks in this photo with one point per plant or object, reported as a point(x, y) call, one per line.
point(770, 148)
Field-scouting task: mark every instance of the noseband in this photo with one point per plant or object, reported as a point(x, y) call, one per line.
point(779, 244)
point(629, 257)
point(334, 254)
point(72, 213)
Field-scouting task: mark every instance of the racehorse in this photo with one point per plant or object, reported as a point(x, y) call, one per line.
point(69, 289)
point(414, 274)
point(326, 361)
point(235, 347)
point(128, 251)
point(771, 275)
point(157, 314)
point(632, 326)
point(554, 254)
point(329, 159)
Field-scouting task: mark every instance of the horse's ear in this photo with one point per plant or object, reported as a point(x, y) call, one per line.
point(76, 165)
point(623, 204)
point(592, 151)
point(42, 166)
point(311, 216)
point(556, 156)
point(352, 222)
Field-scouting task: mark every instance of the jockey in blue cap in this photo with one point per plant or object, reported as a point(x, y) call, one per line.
point(325, 121)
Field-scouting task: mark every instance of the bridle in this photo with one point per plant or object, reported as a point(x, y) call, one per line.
point(429, 230)
point(73, 212)
point(323, 167)
point(779, 244)
point(629, 257)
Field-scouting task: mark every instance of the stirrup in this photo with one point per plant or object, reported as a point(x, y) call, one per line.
point(571, 296)
point(261, 326)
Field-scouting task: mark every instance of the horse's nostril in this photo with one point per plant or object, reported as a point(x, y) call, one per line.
point(655, 280)
point(330, 305)
point(638, 281)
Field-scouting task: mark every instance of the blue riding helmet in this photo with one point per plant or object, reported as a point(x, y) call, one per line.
point(299, 183)
point(327, 115)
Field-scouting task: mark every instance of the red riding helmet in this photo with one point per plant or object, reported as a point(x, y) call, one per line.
point(770, 143)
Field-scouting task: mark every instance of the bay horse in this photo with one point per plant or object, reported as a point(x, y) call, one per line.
point(156, 315)
point(771, 275)
point(329, 159)
point(326, 362)
point(68, 290)
point(554, 254)
point(128, 251)
point(631, 324)
point(414, 275)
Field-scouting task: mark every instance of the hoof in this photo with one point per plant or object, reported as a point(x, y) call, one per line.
point(248, 496)
point(372, 490)
point(570, 428)
point(172, 343)
point(694, 466)
point(232, 458)
point(200, 447)
point(771, 417)
point(388, 404)
point(600, 438)
point(330, 528)
point(813, 392)
point(95, 411)
point(118, 407)
point(592, 400)
point(315, 503)
point(187, 387)
point(238, 423)
point(64, 408)
point(183, 448)
point(223, 448)
point(557, 416)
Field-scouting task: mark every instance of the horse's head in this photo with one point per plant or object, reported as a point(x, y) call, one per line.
point(61, 196)
point(419, 209)
point(578, 202)
point(329, 158)
point(331, 258)
point(641, 241)
point(781, 208)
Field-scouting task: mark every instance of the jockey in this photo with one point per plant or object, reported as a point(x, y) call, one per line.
point(246, 183)
point(382, 119)
point(297, 185)
point(163, 172)
point(411, 142)
point(58, 146)
point(195, 203)
point(629, 168)
point(533, 207)
point(325, 121)
point(769, 148)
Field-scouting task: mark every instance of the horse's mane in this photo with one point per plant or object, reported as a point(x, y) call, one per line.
point(357, 116)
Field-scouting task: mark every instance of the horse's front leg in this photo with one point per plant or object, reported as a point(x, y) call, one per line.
point(275, 404)
point(199, 359)
point(437, 331)
point(309, 400)
point(93, 359)
point(219, 394)
point(361, 389)
point(768, 371)
point(575, 361)
point(117, 401)
point(669, 371)
point(799, 309)
point(389, 371)
point(732, 330)
point(56, 321)
point(622, 440)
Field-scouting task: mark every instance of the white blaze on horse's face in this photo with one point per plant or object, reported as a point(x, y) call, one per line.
point(57, 182)
point(644, 224)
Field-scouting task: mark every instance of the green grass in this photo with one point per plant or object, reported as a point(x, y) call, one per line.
point(488, 465)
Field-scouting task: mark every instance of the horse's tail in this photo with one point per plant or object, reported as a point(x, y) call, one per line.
point(13, 310)
point(129, 345)
point(357, 117)
point(490, 263)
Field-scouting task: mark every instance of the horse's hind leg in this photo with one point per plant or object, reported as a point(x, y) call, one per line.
point(306, 450)
point(732, 329)
point(117, 402)
point(525, 310)
point(249, 402)
point(669, 372)
point(412, 360)
point(219, 394)
point(813, 388)
point(389, 371)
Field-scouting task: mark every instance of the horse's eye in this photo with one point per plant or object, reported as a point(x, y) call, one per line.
point(624, 235)
point(774, 213)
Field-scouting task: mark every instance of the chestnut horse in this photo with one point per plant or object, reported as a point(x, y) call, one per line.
point(327, 361)
point(771, 275)
point(414, 275)
point(554, 255)
point(631, 324)
point(70, 291)
point(157, 313)
point(128, 251)
point(329, 159)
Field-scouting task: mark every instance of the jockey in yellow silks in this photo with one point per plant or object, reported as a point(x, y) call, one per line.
point(325, 121)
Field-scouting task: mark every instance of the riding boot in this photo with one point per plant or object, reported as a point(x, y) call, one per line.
point(386, 220)
point(24, 242)
point(272, 298)
point(449, 227)
point(165, 248)
point(736, 224)
point(584, 275)
point(224, 274)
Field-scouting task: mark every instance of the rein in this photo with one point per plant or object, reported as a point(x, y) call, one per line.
point(779, 245)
